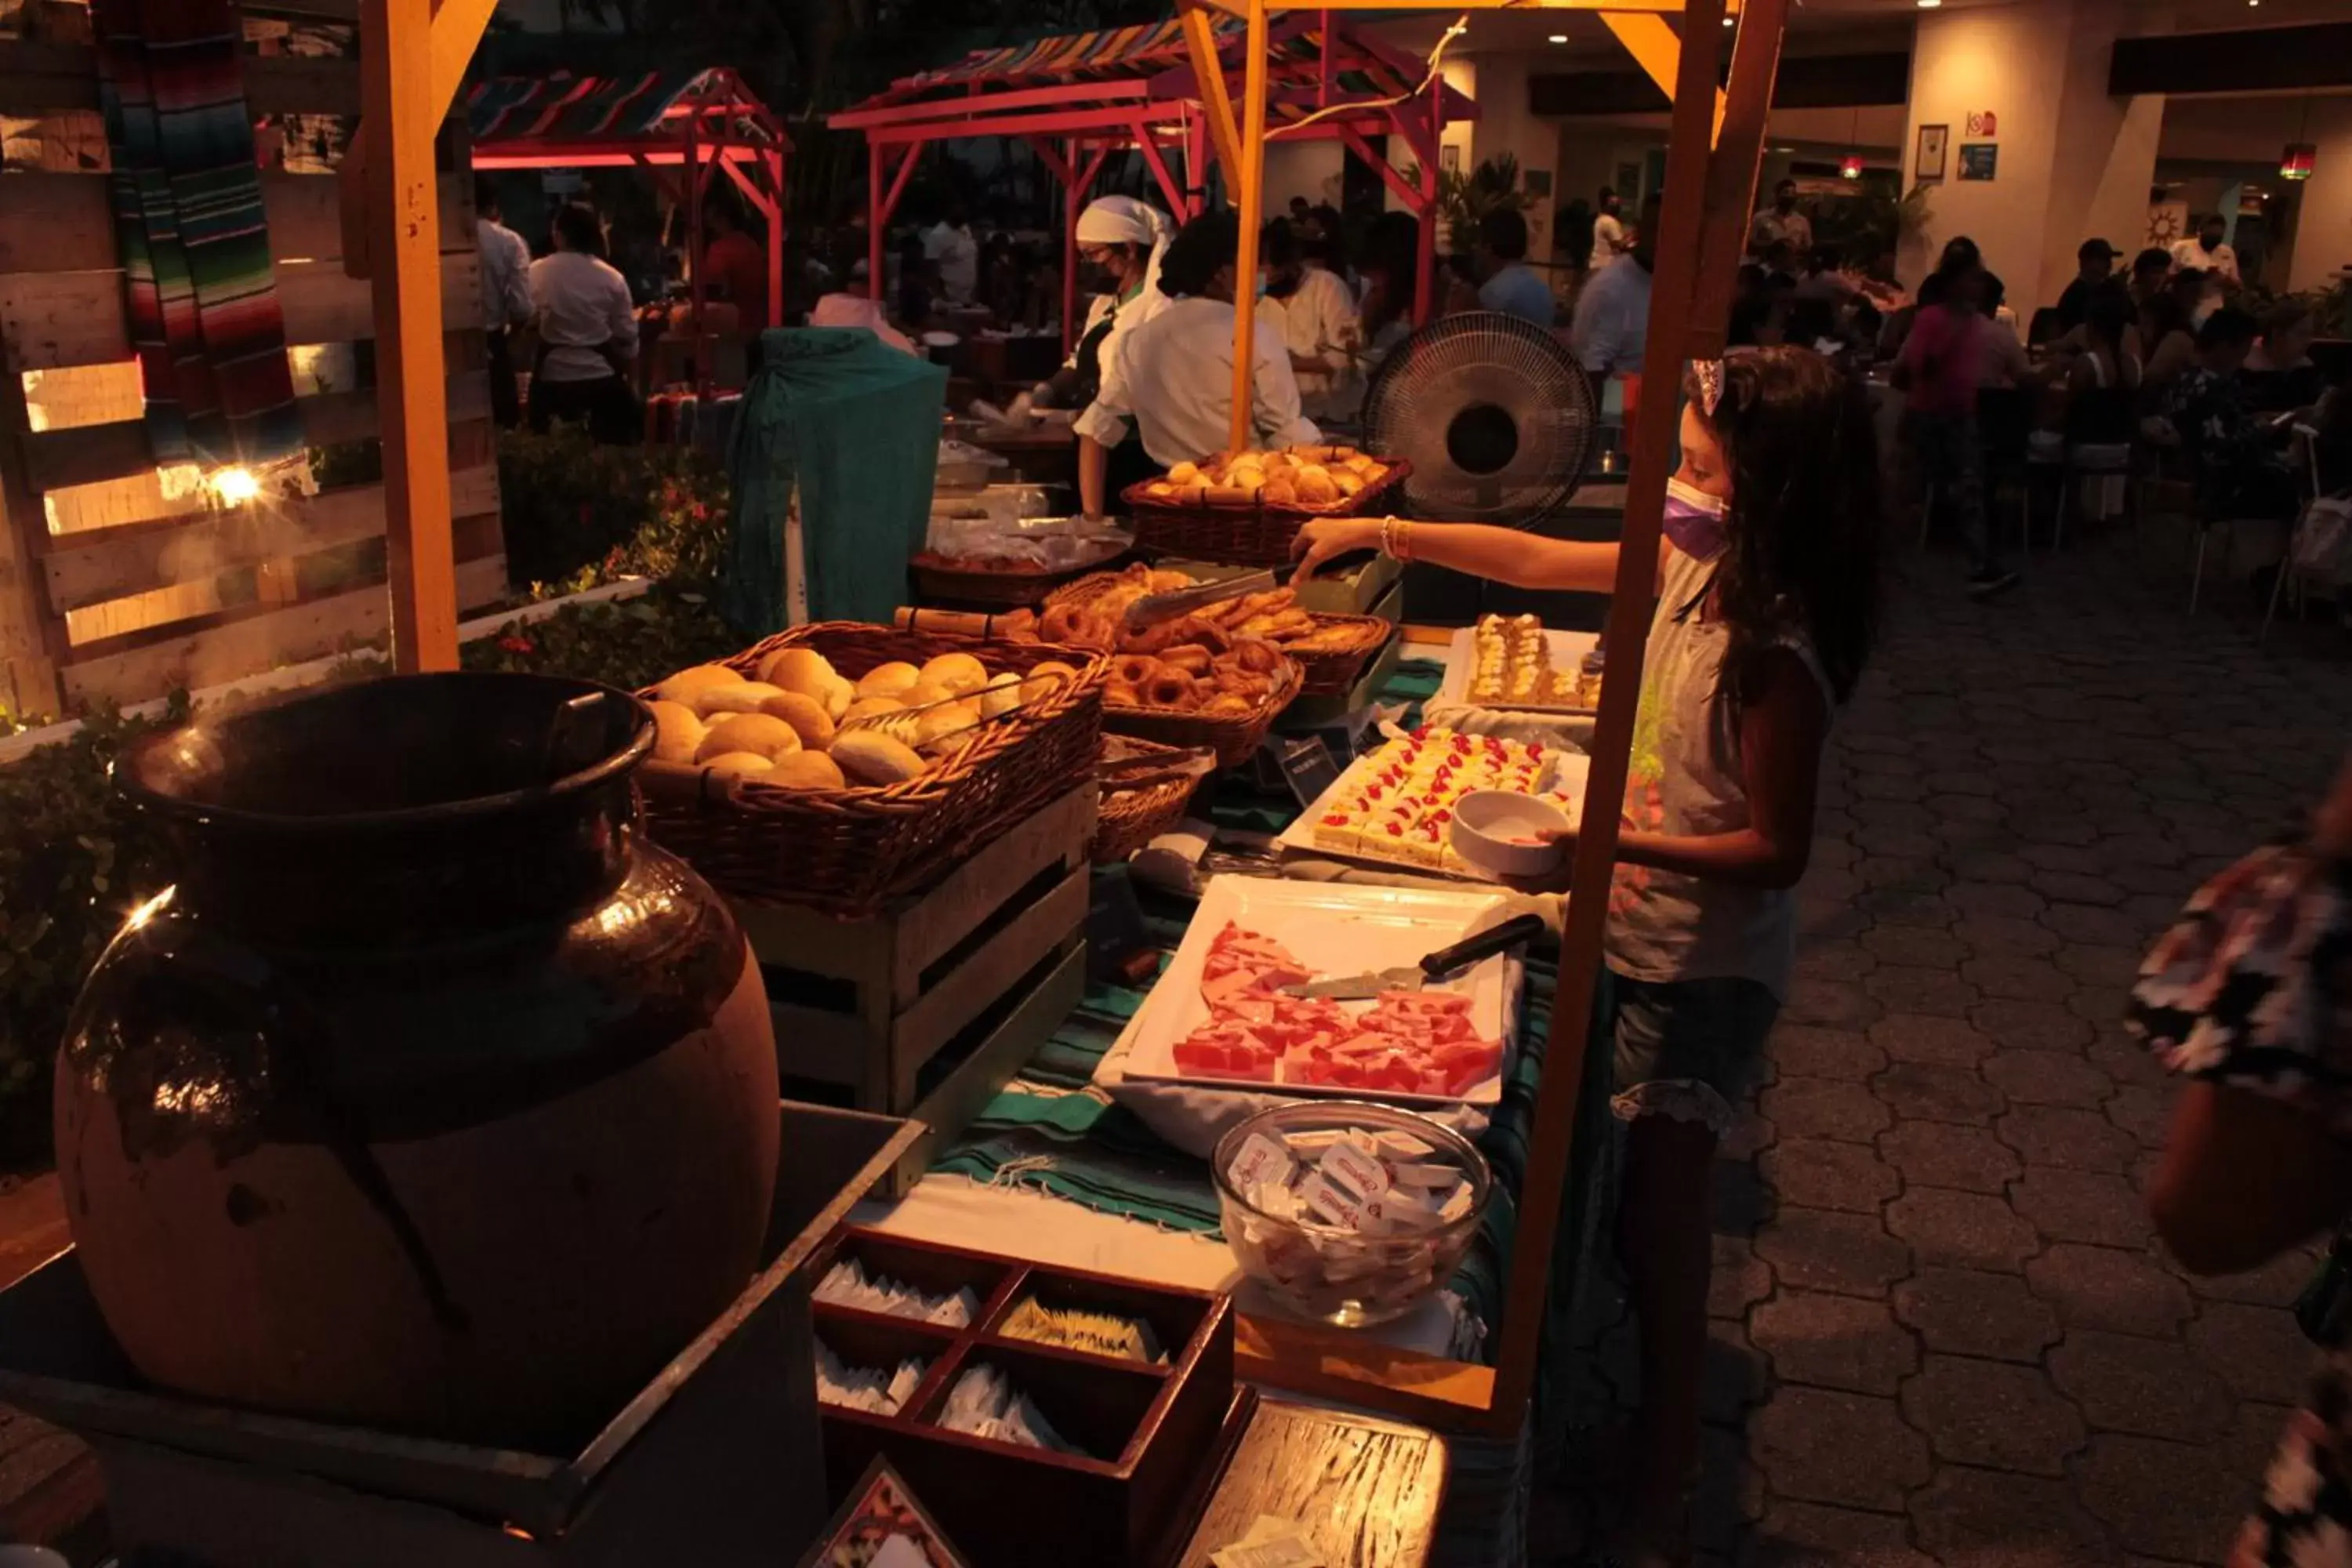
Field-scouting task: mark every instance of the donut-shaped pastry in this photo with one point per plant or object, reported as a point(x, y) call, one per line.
point(1059, 623)
point(1172, 689)
point(1134, 669)
point(1193, 660)
point(1228, 705)
point(1256, 656)
point(1119, 694)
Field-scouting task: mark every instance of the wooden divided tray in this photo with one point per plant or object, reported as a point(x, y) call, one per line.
point(1159, 1435)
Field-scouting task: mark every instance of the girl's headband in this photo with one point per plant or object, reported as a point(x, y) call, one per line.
point(1710, 384)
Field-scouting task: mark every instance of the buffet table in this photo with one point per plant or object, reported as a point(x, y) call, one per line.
point(1052, 1171)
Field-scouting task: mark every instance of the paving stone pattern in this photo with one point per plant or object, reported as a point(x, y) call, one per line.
point(1944, 1331)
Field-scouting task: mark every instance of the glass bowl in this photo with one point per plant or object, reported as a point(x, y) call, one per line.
point(1328, 1274)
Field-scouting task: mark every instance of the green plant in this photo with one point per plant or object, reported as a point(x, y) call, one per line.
point(627, 643)
point(577, 513)
point(74, 861)
point(1466, 199)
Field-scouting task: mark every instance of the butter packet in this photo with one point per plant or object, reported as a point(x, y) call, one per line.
point(1092, 1333)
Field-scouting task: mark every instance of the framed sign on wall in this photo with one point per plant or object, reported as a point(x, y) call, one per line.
point(1935, 141)
point(1979, 160)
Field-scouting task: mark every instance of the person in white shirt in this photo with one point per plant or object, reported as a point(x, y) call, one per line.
point(954, 251)
point(2211, 254)
point(587, 334)
point(505, 296)
point(1317, 315)
point(1169, 384)
point(1782, 222)
point(1120, 242)
point(1610, 239)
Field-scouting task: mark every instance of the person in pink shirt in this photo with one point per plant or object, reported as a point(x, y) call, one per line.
point(1939, 375)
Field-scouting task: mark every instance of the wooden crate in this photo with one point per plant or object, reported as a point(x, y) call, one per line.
point(117, 581)
point(1156, 1437)
point(925, 1010)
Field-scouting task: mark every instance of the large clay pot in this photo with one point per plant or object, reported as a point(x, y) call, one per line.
point(432, 1097)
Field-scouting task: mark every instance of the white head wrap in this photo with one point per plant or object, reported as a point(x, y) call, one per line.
point(1124, 220)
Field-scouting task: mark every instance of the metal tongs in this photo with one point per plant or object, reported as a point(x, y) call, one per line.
point(1436, 966)
point(1156, 609)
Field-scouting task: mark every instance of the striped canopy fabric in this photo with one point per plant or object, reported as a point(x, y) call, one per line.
point(200, 292)
point(567, 108)
point(1146, 50)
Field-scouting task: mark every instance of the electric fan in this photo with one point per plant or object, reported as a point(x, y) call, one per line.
point(1493, 412)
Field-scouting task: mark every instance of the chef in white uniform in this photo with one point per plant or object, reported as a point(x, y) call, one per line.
point(1168, 386)
point(1120, 242)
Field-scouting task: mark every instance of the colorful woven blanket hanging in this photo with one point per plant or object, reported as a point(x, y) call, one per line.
point(200, 296)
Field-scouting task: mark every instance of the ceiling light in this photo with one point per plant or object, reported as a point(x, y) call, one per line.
point(1560, 37)
point(1727, 21)
point(1929, 5)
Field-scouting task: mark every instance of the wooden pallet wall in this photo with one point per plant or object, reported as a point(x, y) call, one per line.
point(109, 569)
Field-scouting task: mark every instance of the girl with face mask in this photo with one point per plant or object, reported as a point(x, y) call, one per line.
point(1767, 603)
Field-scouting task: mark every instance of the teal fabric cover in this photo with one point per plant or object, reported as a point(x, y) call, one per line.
point(854, 425)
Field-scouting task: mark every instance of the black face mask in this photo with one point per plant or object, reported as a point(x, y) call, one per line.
point(1094, 278)
point(1282, 285)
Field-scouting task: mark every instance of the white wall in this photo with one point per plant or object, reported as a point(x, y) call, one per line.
point(1315, 170)
point(2252, 131)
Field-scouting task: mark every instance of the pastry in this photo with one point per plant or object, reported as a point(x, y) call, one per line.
point(888, 680)
point(743, 697)
point(1045, 679)
point(677, 732)
point(797, 669)
point(771, 738)
point(737, 765)
point(872, 708)
point(806, 715)
point(1001, 695)
point(868, 758)
point(942, 727)
point(805, 770)
point(683, 686)
point(958, 674)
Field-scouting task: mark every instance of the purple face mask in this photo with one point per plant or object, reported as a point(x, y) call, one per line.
point(1695, 520)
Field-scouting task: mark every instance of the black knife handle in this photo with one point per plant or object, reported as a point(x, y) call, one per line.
point(1511, 933)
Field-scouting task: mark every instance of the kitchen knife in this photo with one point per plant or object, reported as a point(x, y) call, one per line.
point(1436, 966)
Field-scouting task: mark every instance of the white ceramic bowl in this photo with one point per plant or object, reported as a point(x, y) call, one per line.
point(1498, 830)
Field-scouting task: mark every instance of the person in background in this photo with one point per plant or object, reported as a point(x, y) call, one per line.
point(1318, 322)
point(1120, 243)
point(1937, 372)
point(953, 252)
point(2240, 460)
point(1768, 607)
point(1611, 326)
point(1391, 268)
point(2002, 360)
point(2242, 1000)
point(1170, 381)
point(587, 334)
point(2209, 253)
point(734, 263)
point(1571, 236)
point(1824, 277)
point(2094, 265)
point(2279, 375)
point(1760, 306)
point(1511, 286)
point(1896, 330)
point(1781, 223)
point(1610, 239)
point(916, 297)
point(2078, 405)
point(505, 297)
point(2168, 327)
point(2151, 272)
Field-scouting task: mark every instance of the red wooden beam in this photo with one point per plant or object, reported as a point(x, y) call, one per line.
point(1168, 188)
point(1406, 191)
point(1088, 93)
point(1054, 163)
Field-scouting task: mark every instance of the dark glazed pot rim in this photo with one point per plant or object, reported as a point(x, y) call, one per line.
point(609, 767)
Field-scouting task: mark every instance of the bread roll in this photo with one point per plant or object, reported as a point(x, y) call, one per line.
point(737, 765)
point(801, 669)
point(888, 680)
point(806, 770)
point(959, 672)
point(870, 759)
point(1041, 683)
point(943, 728)
point(1184, 474)
point(683, 686)
point(770, 737)
point(837, 694)
point(806, 715)
point(925, 691)
point(872, 707)
point(677, 733)
point(743, 697)
point(1001, 695)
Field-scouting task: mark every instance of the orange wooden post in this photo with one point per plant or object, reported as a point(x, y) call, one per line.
point(403, 220)
point(1251, 202)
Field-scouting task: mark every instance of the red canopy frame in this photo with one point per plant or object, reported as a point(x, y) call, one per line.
point(1077, 99)
point(714, 124)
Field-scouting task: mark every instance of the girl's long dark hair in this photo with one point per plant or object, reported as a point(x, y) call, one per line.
point(1804, 521)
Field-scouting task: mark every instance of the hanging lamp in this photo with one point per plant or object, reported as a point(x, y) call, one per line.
point(2298, 161)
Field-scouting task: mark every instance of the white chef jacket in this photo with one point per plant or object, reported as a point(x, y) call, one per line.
point(1608, 242)
point(1132, 314)
point(1319, 321)
point(506, 292)
point(957, 252)
point(2188, 253)
point(1171, 380)
point(583, 304)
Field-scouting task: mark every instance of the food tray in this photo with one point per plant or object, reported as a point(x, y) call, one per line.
point(1234, 738)
point(1568, 651)
point(1133, 815)
point(1334, 929)
point(847, 852)
point(1564, 782)
point(1162, 1434)
point(1250, 534)
point(1323, 672)
point(940, 579)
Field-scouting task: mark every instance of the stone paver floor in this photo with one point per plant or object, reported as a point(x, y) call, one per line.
point(1944, 1331)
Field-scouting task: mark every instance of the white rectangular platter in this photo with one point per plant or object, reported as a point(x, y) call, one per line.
point(1568, 651)
point(1564, 782)
point(1335, 930)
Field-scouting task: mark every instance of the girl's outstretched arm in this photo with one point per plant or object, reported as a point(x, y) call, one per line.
point(1781, 731)
point(1497, 554)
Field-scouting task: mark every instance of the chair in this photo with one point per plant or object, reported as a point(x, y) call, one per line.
point(2097, 444)
point(2292, 567)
